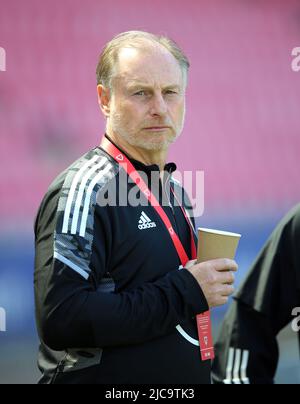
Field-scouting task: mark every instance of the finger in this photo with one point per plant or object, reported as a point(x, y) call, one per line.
point(226, 278)
point(224, 264)
point(190, 264)
point(229, 278)
point(227, 290)
point(222, 301)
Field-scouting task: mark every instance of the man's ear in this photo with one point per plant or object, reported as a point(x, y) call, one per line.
point(104, 99)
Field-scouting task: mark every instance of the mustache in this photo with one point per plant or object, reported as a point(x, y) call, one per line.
point(157, 125)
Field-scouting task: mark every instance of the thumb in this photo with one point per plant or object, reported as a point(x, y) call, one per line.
point(190, 264)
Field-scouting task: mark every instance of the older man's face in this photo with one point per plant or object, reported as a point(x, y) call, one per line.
point(147, 105)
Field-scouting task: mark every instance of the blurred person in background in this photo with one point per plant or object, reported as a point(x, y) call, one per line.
point(109, 293)
point(247, 350)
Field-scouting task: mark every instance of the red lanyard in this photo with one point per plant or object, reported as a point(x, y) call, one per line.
point(203, 320)
point(124, 162)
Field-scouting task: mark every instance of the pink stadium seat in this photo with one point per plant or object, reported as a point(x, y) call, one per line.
point(243, 117)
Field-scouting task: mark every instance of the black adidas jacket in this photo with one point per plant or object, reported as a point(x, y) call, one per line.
point(109, 292)
point(247, 349)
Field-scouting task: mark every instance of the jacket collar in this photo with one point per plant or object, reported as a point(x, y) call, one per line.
point(139, 166)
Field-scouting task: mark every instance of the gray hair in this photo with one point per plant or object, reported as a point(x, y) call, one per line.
point(134, 39)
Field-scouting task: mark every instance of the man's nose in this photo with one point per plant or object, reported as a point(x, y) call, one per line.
point(158, 105)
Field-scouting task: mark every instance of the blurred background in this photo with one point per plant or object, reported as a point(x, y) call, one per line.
point(242, 127)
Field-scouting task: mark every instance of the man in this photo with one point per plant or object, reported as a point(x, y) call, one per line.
point(247, 350)
point(112, 305)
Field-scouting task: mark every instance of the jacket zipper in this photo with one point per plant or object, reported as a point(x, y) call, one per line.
point(169, 201)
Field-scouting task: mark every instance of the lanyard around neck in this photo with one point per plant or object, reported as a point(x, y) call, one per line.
point(203, 320)
point(125, 163)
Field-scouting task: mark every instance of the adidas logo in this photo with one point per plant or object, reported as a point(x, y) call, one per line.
point(145, 222)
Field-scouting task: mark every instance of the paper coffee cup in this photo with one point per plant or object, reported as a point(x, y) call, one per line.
point(215, 244)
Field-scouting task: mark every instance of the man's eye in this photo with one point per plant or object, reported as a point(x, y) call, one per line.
point(171, 92)
point(140, 93)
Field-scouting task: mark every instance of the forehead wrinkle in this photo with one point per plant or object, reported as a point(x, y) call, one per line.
point(154, 52)
point(138, 83)
point(133, 75)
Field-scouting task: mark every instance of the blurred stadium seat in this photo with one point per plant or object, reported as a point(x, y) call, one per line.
point(242, 126)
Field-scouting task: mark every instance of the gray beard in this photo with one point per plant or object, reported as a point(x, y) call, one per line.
point(141, 143)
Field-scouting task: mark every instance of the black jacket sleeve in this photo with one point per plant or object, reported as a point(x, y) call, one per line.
point(71, 312)
point(247, 349)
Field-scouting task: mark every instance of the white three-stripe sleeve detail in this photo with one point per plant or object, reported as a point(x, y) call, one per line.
point(245, 360)
point(72, 193)
point(81, 194)
point(70, 264)
point(229, 367)
point(88, 199)
point(237, 366)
